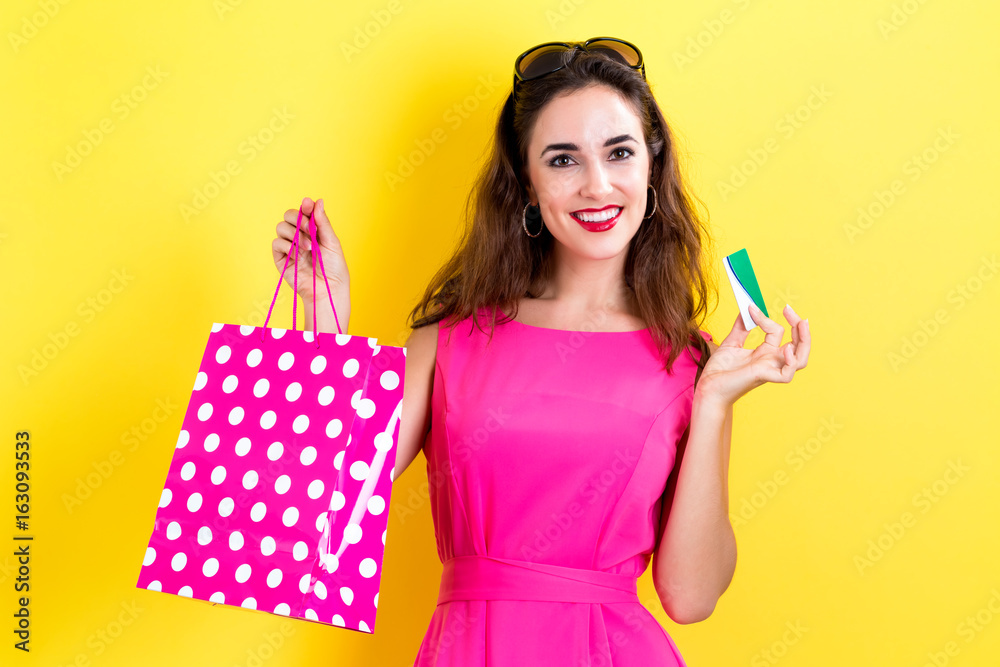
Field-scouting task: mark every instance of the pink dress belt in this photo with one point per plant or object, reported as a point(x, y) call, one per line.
point(491, 578)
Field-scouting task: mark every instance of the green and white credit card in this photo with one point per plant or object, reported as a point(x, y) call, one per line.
point(744, 284)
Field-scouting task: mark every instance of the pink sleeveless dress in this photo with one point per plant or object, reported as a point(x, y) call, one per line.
point(547, 459)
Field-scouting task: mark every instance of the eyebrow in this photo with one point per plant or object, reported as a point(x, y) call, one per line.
point(621, 138)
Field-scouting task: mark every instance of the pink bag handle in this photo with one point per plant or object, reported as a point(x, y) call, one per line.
point(295, 289)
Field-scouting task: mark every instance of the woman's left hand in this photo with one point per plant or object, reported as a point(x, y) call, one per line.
point(732, 371)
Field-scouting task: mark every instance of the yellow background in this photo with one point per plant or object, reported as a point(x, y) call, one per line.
point(893, 75)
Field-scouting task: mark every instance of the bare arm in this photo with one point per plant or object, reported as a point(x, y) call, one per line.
point(421, 355)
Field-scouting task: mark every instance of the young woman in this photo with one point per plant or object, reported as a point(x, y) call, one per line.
point(584, 431)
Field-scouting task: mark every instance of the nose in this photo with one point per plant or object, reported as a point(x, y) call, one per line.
point(596, 184)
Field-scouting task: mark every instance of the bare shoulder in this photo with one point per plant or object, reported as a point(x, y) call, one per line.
point(422, 343)
point(418, 385)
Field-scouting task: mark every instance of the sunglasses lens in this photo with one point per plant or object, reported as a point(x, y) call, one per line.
point(542, 61)
point(623, 53)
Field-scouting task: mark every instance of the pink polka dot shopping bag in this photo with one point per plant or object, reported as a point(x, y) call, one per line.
point(277, 496)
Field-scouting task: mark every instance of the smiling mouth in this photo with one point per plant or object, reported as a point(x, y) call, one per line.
point(597, 216)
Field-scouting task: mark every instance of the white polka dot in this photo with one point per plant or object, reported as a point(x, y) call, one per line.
point(338, 460)
point(308, 336)
point(359, 470)
point(246, 329)
point(182, 439)
point(149, 557)
point(200, 380)
point(300, 550)
point(254, 358)
point(337, 501)
point(185, 592)
point(283, 607)
point(226, 506)
point(320, 590)
point(165, 497)
point(187, 471)
point(308, 455)
point(229, 384)
point(242, 573)
point(383, 536)
point(204, 535)
point(363, 627)
point(290, 517)
point(300, 424)
point(356, 398)
point(337, 620)
point(286, 360)
point(376, 600)
point(268, 546)
point(216, 327)
point(352, 533)
point(368, 568)
point(331, 563)
point(275, 450)
point(242, 446)
point(383, 441)
point(351, 367)
point(249, 603)
point(376, 505)
point(311, 615)
point(218, 597)
point(343, 339)
point(347, 595)
point(173, 530)
point(318, 365)
point(222, 354)
point(211, 442)
point(274, 578)
point(178, 562)
point(236, 415)
point(236, 540)
point(267, 419)
point(205, 411)
point(250, 479)
point(194, 502)
point(211, 567)
point(219, 475)
point(326, 395)
point(304, 583)
point(366, 408)
point(373, 343)
point(293, 391)
point(277, 333)
point(261, 387)
point(257, 511)
point(282, 484)
point(315, 489)
point(334, 428)
point(155, 586)
point(389, 380)
point(321, 522)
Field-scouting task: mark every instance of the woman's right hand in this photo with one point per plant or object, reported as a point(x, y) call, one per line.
point(332, 254)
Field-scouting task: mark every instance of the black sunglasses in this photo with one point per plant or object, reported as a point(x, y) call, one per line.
point(550, 57)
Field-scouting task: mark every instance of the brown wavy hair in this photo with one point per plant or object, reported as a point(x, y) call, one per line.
point(496, 263)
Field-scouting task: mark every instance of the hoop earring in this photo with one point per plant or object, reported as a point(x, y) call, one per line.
point(524, 220)
point(650, 186)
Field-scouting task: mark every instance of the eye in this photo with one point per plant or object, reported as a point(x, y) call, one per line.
point(628, 151)
point(553, 162)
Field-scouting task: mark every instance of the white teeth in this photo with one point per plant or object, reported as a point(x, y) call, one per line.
point(600, 216)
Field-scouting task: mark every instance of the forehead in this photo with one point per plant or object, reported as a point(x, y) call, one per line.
point(588, 115)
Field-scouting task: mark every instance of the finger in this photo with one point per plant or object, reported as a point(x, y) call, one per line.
point(324, 230)
point(804, 345)
point(307, 206)
point(772, 330)
point(738, 334)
